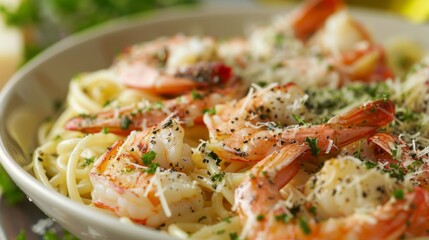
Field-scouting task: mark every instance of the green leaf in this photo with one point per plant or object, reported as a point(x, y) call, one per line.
point(21, 235)
point(50, 235)
point(197, 95)
point(312, 143)
point(27, 13)
point(148, 157)
point(299, 120)
point(210, 111)
point(10, 191)
point(88, 161)
point(304, 226)
point(398, 194)
point(233, 236)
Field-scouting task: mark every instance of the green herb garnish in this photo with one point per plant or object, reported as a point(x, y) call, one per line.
point(370, 165)
point(87, 161)
point(284, 218)
point(260, 217)
point(197, 95)
point(215, 157)
point(304, 226)
point(210, 111)
point(312, 143)
point(299, 120)
point(147, 159)
point(398, 194)
point(218, 177)
point(158, 105)
point(233, 236)
point(105, 130)
point(21, 235)
point(262, 83)
point(10, 191)
point(313, 210)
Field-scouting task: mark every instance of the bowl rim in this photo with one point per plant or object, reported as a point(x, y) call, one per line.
point(22, 177)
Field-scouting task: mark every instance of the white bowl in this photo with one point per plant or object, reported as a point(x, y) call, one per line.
point(28, 98)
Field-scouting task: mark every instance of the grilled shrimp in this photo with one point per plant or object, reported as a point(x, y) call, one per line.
point(342, 39)
point(172, 65)
point(189, 108)
point(256, 126)
point(396, 156)
point(266, 214)
point(140, 178)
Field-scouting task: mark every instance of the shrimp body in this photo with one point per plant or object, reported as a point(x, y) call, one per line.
point(392, 152)
point(189, 108)
point(146, 192)
point(396, 218)
point(267, 216)
point(249, 131)
point(172, 65)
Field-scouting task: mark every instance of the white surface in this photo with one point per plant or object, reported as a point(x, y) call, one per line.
point(36, 86)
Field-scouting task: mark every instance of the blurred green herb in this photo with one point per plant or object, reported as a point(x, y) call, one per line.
point(50, 235)
point(10, 191)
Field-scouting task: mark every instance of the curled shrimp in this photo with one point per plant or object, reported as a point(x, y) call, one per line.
point(189, 108)
point(345, 42)
point(251, 129)
point(311, 16)
point(140, 177)
point(261, 207)
point(173, 65)
point(394, 154)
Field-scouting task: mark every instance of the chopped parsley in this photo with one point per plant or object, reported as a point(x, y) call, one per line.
point(158, 105)
point(415, 165)
point(395, 171)
point(312, 143)
point(151, 169)
point(357, 153)
point(87, 161)
point(313, 210)
point(284, 218)
point(147, 159)
point(197, 95)
point(21, 235)
point(125, 123)
point(398, 194)
point(260, 217)
point(233, 236)
point(406, 115)
point(218, 177)
point(394, 151)
point(215, 157)
point(279, 39)
point(262, 83)
point(299, 120)
point(210, 111)
point(370, 165)
point(304, 226)
point(105, 130)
